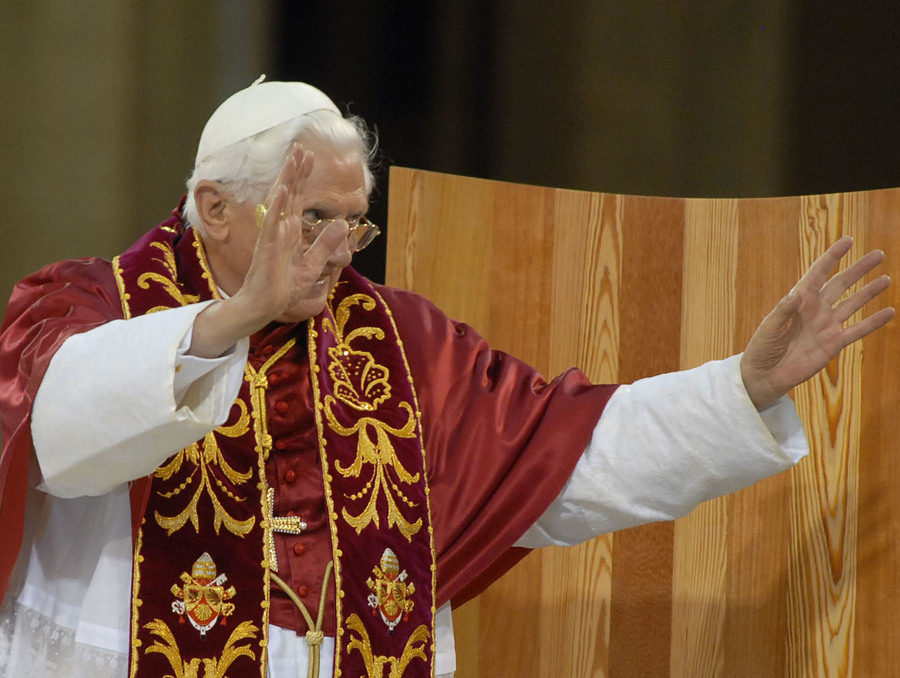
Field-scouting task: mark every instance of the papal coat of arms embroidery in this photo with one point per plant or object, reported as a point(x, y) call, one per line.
point(203, 599)
point(391, 594)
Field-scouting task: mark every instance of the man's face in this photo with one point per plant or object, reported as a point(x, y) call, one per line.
point(334, 190)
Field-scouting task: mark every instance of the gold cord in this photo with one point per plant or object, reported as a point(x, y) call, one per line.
point(314, 635)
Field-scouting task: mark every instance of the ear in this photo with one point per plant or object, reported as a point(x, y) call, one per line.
point(211, 201)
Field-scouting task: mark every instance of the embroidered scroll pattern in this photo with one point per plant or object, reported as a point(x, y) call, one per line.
point(415, 649)
point(208, 462)
point(168, 282)
point(362, 384)
point(212, 667)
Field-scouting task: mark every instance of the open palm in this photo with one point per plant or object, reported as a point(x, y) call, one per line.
point(807, 328)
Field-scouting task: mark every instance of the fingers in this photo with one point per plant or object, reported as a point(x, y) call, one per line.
point(835, 288)
point(279, 229)
point(866, 326)
point(294, 174)
point(817, 274)
point(301, 164)
point(856, 301)
point(330, 243)
point(785, 309)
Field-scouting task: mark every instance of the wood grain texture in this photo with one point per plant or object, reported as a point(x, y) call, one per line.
point(700, 556)
point(794, 576)
point(756, 622)
point(878, 556)
point(822, 584)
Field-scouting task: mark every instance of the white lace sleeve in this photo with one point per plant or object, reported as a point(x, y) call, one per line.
point(34, 646)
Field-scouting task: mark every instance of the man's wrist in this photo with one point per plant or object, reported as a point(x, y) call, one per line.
point(760, 393)
point(222, 324)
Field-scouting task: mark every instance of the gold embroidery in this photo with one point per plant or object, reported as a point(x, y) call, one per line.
point(381, 455)
point(216, 478)
point(359, 381)
point(203, 599)
point(136, 601)
point(283, 525)
point(390, 592)
point(173, 289)
point(212, 667)
point(204, 266)
point(362, 384)
point(120, 283)
point(205, 458)
point(375, 663)
point(415, 399)
point(258, 385)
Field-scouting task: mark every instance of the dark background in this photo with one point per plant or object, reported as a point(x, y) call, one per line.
point(841, 107)
point(104, 101)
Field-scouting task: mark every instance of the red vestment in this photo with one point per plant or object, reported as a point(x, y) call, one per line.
point(501, 442)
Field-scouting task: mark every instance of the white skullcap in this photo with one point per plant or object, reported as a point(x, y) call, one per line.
point(257, 108)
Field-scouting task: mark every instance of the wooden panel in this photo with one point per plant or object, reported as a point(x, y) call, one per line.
point(650, 311)
point(758, 536)
point(700, 556)
point(878, 556)
point(795, 576)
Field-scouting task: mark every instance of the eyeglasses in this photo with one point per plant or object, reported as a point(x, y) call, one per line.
point(362, 231)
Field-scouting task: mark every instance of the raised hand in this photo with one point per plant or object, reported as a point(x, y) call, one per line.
point(807, 328)
point(286, 279)
point(283, 274)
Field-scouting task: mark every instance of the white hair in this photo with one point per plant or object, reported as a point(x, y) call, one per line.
point(249, 168)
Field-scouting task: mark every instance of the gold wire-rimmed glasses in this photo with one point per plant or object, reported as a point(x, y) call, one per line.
point(362, 231)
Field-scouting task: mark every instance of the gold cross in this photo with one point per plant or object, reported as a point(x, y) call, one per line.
point(282, 524)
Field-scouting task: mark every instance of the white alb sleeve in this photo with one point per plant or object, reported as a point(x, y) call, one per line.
point(110, 409)
point(665, 444)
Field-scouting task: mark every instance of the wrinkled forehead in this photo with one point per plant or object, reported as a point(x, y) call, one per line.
point(337, 181)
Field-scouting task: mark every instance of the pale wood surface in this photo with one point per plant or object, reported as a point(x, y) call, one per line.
point(795, 576)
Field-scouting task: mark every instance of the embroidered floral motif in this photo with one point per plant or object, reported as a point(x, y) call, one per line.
point(382, 456)
point(391, 595)
point(206, 458)
point(415, 649)
point(362, 384)
point(359, 381)
point(213, 667)
point(365, 401)
point(172, 287)
point(203, 599)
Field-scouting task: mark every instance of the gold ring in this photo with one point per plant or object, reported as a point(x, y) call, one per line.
point(261, 212)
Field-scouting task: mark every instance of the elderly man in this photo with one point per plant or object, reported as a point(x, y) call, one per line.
point(227, 449)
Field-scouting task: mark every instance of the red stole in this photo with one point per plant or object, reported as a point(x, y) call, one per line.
point(203, 553)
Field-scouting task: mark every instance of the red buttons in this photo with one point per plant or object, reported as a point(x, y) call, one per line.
point(274, 378)
point(302, 591)
point(290, 476)
point(299, 549)
point(281, 407)
point(291, 514)
point(280, 445)
point(268, 350)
